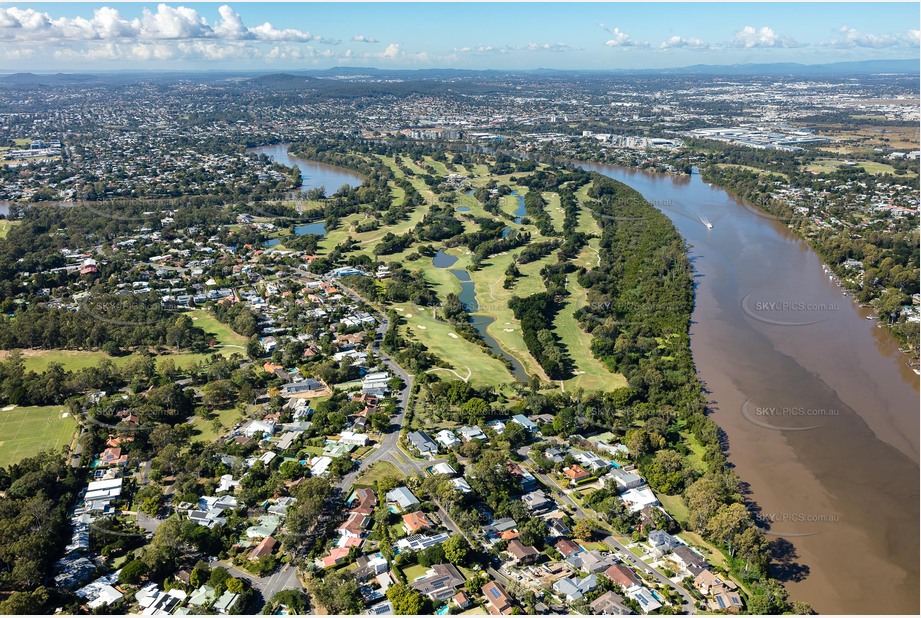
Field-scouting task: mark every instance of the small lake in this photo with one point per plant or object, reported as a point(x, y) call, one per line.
point(520, 212)
point(317, 229)
point(480, 323)
point(443, 260)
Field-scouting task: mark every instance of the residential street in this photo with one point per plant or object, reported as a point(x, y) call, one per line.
point(282, 579)
point(687, 605)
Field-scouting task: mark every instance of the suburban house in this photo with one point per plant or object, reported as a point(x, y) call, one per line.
point(264, 548)
point(497, 600)
point(610, 604)
point(364, 501)
point(524, 422)
point(573, 589)
point(113, 456)
point(443, 468)
point(421, 441)
point(624, 480)
point(623, 576)
point(402, 498)
point(259, 428)
point(537, 502)
point(370, 565)
point(591, 461)
point(353, 439)
point(575, 473)
point(416, 522)
point(354, 525)
point(708, 583)
point(523, 554)
point(638, 498)
point(647, 600)
point(461, 485)
point(590, 561)
point(689, 560)
point(662, 541)
point(471, 433)
point(567, 547)
point(440, 582)
point(447, 439)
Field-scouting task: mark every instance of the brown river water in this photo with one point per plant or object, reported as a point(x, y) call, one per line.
point(820, 410)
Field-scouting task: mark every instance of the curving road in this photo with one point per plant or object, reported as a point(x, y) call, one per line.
point(687, 603)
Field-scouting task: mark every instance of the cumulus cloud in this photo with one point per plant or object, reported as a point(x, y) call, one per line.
point(159, 51)
point(391, 51)
point(166, 23)
point(507, 49)
point(749, 37)
point(676, 42)
point(360, 38)
point(621, 39)
point(851, 37)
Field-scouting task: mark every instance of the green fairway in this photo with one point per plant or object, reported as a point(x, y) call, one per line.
point(228, 343)
point(591, 373)
point(757, 170)
point(6, 225)
point(225, 335)
point(828, 166)
point(466, 358)
point(209, 431)
point(74, 360)
point(554, 209)
point(25, 431)
point(440, 168)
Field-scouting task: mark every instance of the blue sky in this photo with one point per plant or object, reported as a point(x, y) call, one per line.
point(274, 36)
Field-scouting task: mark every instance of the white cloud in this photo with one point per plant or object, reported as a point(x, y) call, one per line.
point(680, 42)
point(749, 37)
point(553, 47)
point(160, 51)
point(173, 23)
point(621, 39)
point(392, 51)
point(360, 38)
point(507, 49)
point(851, 37)
point(166, 23)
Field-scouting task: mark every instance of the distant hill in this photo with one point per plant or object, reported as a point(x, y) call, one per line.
point(38, 79)
point(344, 81)
point(283, 81)
point(793, 68)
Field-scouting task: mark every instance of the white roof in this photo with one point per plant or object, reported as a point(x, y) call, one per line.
point(638, 498)
point(443, 468)
point(320, 466)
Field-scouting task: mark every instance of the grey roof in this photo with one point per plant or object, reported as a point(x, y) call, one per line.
point(610, 603)
point(441, 584)
point(402, 496)
point(422, 442)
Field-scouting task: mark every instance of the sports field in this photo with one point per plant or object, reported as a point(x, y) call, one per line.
point(27, 430)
